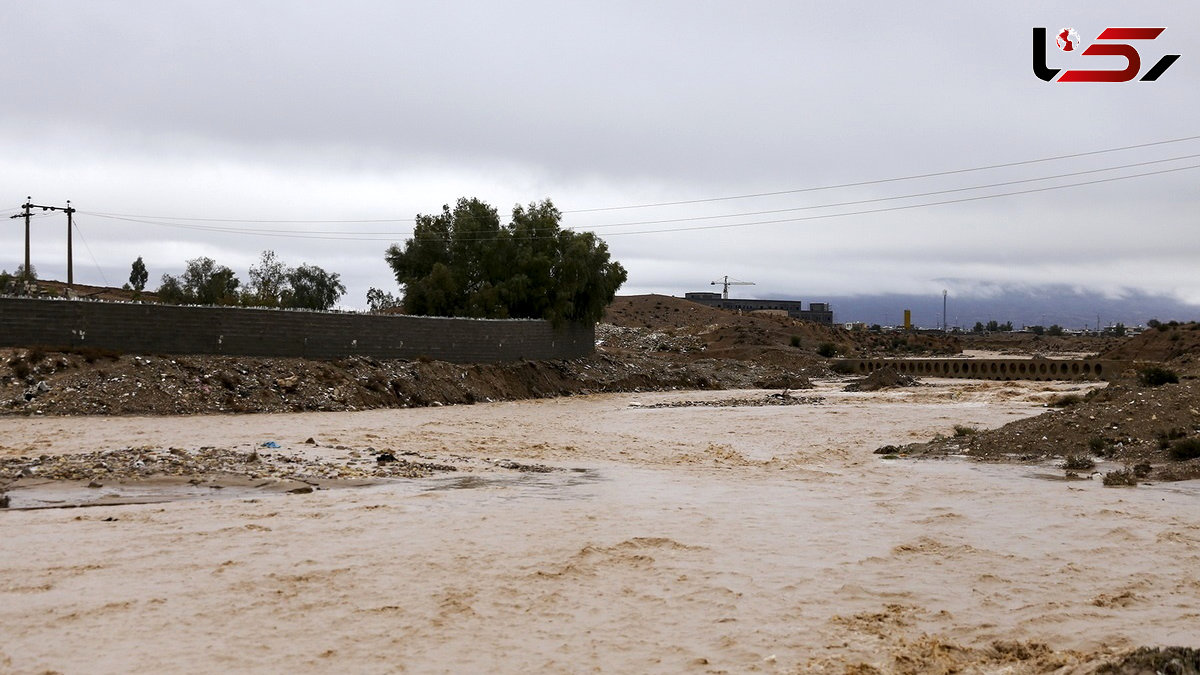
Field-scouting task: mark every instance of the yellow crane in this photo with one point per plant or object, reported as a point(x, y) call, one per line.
point(727, 282)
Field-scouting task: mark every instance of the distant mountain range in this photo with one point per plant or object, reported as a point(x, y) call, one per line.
point(1046, 305)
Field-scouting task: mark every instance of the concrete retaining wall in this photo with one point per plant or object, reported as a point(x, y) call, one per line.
point(996, 369)
point(166, 329)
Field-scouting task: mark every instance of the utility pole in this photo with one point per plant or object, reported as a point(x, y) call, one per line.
point(70, 259)
point(27, 208)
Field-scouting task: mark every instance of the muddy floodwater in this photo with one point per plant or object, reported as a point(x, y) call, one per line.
point(688, 538)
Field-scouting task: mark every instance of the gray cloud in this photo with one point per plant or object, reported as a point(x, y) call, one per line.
point(382, 110)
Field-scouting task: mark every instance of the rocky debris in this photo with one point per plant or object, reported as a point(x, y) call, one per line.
point(1151, 660)
point(35, 390)
point(155, 385)
point(883, 378)
point(777, 399)
point(1125, 422)
point(158, 473)
point(288, 384)
point(523, 468)
point(647, 340)
point(145, 462)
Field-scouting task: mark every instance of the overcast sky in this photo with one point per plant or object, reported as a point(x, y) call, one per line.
point(236, 112)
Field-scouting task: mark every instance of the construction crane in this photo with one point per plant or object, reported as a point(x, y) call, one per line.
point(727, 282)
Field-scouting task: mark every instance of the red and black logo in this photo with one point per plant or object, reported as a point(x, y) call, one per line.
point(1068, 41)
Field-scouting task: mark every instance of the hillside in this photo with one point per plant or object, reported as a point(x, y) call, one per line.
point(1174, 342)
point(718, 333)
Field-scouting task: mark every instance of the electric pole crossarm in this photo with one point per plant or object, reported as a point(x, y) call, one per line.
point(27, 209)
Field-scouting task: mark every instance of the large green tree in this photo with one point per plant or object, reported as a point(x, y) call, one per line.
point(463, 262)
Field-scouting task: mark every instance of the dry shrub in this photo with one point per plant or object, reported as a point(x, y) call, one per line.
point(1155, 376)
point(1120, 478)
point(21, 369)
point(1165, 437)
point(1079, 463)
point(1185, 449)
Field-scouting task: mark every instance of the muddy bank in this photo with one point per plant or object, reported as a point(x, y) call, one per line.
point(1152, 431)
point(37, 381)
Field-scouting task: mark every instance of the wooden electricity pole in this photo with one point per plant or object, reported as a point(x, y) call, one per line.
point(26, 206)
point(27, 209)
point(70, 261)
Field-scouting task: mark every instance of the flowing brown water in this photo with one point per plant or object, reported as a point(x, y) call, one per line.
point(676, 540)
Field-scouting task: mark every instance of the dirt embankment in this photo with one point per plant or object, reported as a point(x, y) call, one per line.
point(1174, 342)
point(718, 333)
point(647, 342)
point(65, 383)
point(1149, 420)
point(1025, 344)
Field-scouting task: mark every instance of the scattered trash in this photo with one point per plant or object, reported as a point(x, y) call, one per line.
point(288, 383)
point(270, 444)
point(36, 390)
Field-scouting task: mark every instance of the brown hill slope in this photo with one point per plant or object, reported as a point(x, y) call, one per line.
point(60, 289)
point(760, 336)
point(1178, 343)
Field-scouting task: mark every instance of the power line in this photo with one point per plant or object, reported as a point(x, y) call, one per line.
point(910, 206)
point(252, 220)
point(93, 256)
point(905, 196)
point(330, 235)
point(337, 234)
point(689, 201)
point(885, 180)
point(370, 235)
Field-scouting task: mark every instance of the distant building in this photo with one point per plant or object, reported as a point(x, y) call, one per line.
point(817, 312)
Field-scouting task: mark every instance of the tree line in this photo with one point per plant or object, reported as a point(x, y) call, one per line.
point(272, 284)
point(461, 262)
